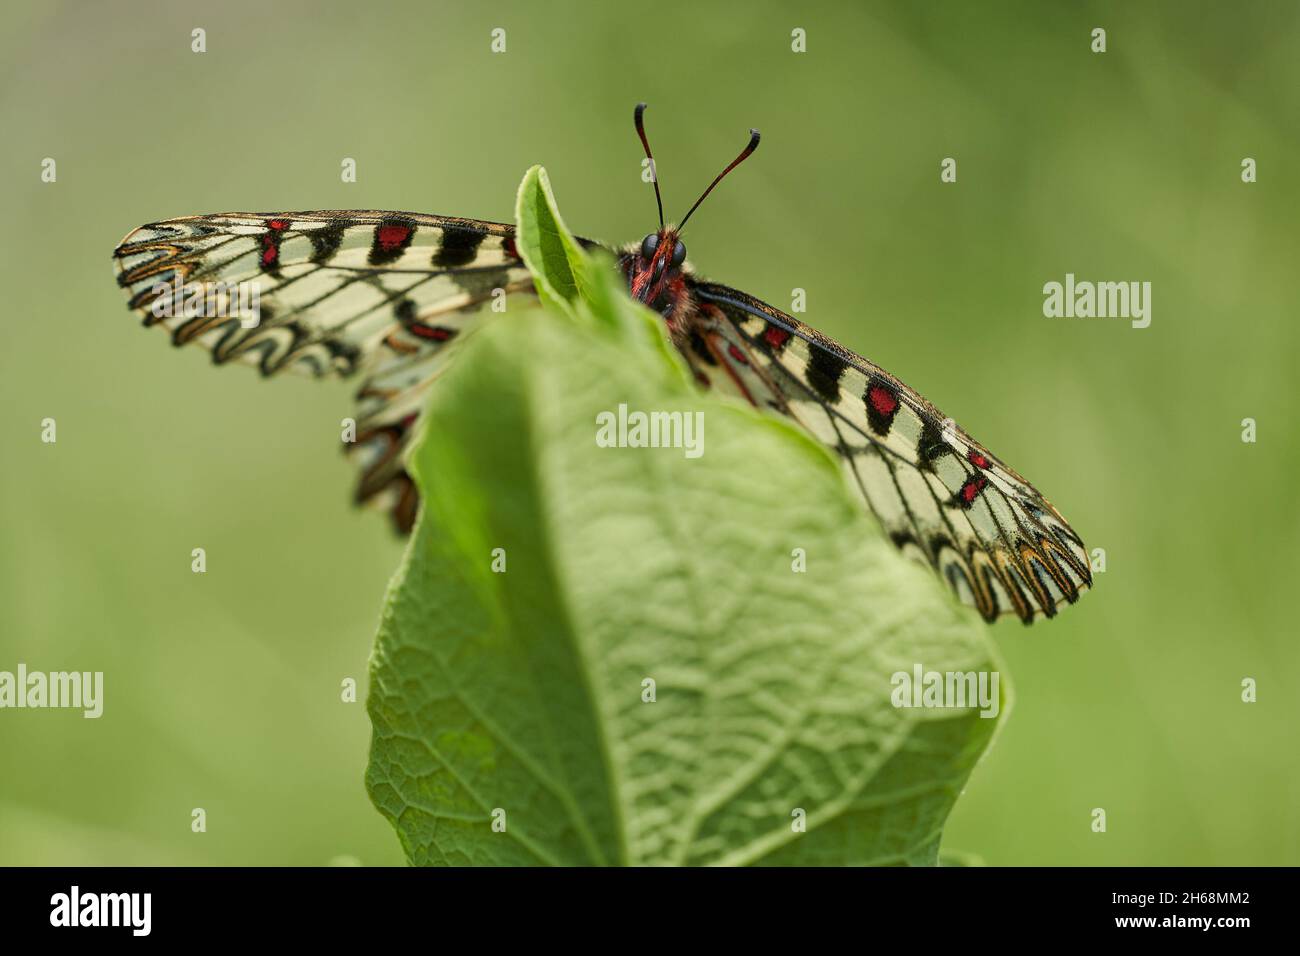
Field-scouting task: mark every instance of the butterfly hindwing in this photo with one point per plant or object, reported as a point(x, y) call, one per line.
point(336, 293)
point(941, 496)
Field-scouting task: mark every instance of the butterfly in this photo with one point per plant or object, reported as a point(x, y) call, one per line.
point(386, 297)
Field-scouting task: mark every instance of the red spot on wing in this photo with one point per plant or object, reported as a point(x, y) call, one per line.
point(392, 237)
point(509, 248)
point(434, 333)
point(970, 490)
point(737, 354)
point(775, 336)
point(976, 459)
point(270, 250)
point(279, 225)
point(882, 400)
point(882, 404)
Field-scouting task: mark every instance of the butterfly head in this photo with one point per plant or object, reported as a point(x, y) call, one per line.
point(654, 270)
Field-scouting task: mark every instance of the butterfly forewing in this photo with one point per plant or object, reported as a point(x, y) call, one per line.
point(941, 496)
point(338, 293)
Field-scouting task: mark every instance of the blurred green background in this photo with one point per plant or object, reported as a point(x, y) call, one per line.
point(222, 689)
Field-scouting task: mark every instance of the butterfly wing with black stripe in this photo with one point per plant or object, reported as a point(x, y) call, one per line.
point(941, 496)
point(339, 293)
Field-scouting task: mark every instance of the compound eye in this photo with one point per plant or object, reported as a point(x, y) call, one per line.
point(649, 244)
point(679, 254)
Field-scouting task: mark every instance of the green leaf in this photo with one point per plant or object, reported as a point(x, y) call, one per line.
point(583, 286)
point(606, 655)
point(561, 270)
point(522, 692)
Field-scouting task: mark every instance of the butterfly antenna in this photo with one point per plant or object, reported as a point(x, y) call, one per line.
point(654, 170)
point(744, 154)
